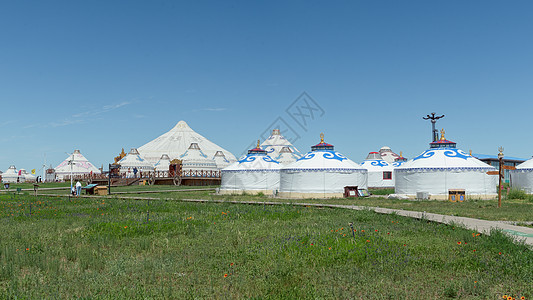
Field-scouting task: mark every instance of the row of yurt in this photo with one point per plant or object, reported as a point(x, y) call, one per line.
point(321, 173)
point(12, 175)
point(442, 168)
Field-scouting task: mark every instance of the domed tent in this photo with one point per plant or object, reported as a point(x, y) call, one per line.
point(163, 163)
point(80, 166)
point(321, 173)
point(442, 168)
point(134, 161)
point(220, 160)
point(286, 156)
point(387, 154)
point(196, 162)
point(522, 177)
point(176, 142)
point(255, 173)
point(275, 142)
point(11, 175)
point(379, 171)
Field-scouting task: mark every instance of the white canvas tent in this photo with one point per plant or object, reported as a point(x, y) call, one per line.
point(286, 156)
point(379, 171)
point(522, 177)
point(255, 173)
point(175, 143)
point(11, 175)
point(441, 168)
point(27, 177)
point(195, 161)
point(275, 142)
point(80, 166)
point(133, 160)
point(321, 173)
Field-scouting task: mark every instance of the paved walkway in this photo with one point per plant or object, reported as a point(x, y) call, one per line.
point(519, 233)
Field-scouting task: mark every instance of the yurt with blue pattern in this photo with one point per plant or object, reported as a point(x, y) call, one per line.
point(379, 171)
point(255, 173)
point(321, 173)
point(442, 168)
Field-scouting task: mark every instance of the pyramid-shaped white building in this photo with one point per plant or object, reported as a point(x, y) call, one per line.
point(79, 166)
point(176, 142)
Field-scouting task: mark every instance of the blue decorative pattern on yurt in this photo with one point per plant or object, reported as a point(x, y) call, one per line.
point(327, 154)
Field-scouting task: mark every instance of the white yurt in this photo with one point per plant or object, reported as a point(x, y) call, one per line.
point(256, 173)
point(26, 177)
point(379, 171)
point(196, 163)
point(176, 142)
point(11, 175)
point(275, 142)
point(286, 156)
point(163, 164)
point(80, 166)
point(321, 173)
point(387, 154)
point(221, 160)
point(134, 161)
point(442, 168)
point(522, 177)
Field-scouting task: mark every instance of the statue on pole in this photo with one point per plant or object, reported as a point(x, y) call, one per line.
point(433, 119)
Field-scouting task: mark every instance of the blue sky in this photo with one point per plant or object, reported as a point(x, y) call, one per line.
point(104, 75)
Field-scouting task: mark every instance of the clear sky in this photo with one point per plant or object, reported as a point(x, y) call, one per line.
point(104, 75)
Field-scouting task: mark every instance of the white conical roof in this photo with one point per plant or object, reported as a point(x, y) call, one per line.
point(387, 154)
point(286, 156)
point(373, 162)
point(175, 143)
point(256, 160)
point(134, 160)
point(275, 142)
point(220, 160)
point(444, 158)
point(195, 159)
point(163, 163)
point(10, 175)
point(80, 165)
point(528, 164)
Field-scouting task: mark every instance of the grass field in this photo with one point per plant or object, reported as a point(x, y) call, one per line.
point(110, 248)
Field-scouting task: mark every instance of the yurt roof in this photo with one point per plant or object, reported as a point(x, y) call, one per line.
point(323, 157)
point(275, 142)
point(374, 162)
point(81, 165)
point(387, 154)
point(286, 156)
point(135, 160)
point(177, 141)
point(528, 164)
point(11, 171)
point(256, 160)
point(444, 155)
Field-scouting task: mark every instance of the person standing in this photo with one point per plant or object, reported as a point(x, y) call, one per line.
point(78, 188)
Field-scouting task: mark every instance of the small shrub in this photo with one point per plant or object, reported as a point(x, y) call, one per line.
point(517, 194)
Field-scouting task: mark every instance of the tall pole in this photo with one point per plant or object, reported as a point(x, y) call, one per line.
point(500, 175)
point(433, 119)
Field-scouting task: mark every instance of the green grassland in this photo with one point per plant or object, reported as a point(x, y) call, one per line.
point(113, 248)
